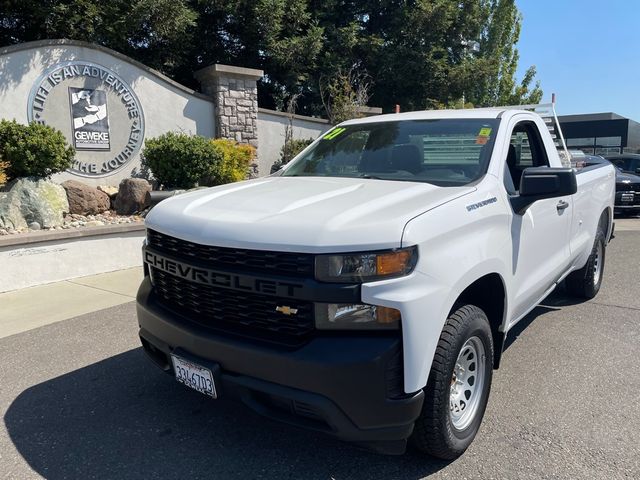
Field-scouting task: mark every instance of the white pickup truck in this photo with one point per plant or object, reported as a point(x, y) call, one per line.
point(366, 289)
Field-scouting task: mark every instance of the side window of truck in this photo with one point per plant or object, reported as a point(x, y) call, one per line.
point(525, 150)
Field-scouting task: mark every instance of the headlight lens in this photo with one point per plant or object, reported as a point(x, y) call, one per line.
point(367, 266)
point(342, 316)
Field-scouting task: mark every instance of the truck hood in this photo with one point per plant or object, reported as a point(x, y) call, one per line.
point(304, 214)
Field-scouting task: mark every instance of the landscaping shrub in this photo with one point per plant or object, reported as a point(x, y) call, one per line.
point(33, 150)
point(236, 160)
point(3, 174)
point(289, 150)
point(178, 160)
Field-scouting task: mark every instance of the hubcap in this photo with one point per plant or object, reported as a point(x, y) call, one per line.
point(467, 383)
point(597, 264)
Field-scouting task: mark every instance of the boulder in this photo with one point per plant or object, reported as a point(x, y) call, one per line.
point(85, 200)
point(34, 200)
point(131, 195)
point(10, 215)
point(109, 190)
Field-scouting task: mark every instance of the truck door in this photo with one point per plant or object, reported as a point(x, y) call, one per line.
point(540, 237)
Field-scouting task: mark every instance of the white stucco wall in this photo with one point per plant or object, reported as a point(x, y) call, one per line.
point(167, 106)
point(271, 128)
point(36, 264)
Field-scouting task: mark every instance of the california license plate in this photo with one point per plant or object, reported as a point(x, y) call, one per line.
point(194, 376)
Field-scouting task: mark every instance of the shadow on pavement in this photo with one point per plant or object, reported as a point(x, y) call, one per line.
point(552, 303)
point(124, 418)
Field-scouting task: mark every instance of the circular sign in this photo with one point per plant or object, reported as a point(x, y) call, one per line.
point(98, 112)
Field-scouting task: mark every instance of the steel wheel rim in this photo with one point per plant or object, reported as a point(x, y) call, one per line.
point(467, 383)
point(597, 264)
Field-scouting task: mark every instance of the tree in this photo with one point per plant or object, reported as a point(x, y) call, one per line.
point(415, 52)
point(344, 93)
point(155, 32)
point(494, 70)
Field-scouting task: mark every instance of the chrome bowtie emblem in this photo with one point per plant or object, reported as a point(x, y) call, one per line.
point(287, 310)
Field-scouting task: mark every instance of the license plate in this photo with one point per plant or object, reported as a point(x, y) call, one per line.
point(194, 376)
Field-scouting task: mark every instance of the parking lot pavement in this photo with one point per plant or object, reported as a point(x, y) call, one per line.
point(80, 401)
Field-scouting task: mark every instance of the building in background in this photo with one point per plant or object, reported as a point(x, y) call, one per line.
point(601, 133)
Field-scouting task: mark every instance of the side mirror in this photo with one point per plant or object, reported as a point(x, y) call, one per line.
point(539, 183)
point(638, 170)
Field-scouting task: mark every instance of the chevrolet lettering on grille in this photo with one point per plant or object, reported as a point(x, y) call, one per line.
point(221, 279)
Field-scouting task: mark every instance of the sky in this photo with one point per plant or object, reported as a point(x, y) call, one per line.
point(586, 52)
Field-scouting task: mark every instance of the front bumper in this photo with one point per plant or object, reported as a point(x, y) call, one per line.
point(345, 386)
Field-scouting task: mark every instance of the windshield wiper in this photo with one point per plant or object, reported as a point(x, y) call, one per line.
point(366, 175)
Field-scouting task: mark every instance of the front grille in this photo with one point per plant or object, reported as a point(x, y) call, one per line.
point(254, 261)
point(628, 187)
point(235, 312)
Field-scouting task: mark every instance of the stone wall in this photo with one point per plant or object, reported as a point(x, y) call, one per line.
point(235, 96)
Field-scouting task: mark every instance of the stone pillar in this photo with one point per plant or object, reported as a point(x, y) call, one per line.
point(235, 95)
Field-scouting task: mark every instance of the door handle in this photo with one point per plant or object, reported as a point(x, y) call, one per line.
point(562, 205)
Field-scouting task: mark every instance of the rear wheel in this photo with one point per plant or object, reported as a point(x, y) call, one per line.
point(586, 282)
point(458, 387)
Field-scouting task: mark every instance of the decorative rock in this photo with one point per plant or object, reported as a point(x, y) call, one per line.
point(85, 200)
point(94, 223)
point(131, 195)
point(10, 215)
point(37, 200)
point(109, 190)
point(34, 226)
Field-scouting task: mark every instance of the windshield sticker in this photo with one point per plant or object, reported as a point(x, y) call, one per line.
point(334, 133)
point(483, 136)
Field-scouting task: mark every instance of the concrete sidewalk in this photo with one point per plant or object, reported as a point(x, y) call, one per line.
point(29, 308)
point(627, 224)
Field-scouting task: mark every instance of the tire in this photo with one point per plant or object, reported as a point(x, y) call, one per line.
point(586, 282)
point(446, 427)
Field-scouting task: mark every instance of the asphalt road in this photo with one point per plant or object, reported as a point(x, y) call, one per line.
point(80, 401)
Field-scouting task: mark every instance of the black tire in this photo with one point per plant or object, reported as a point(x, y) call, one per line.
point(586, 282)
point(434, 431)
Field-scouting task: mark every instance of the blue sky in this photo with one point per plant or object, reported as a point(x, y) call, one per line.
point(587, 52)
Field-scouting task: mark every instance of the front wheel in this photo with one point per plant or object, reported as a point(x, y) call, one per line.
point(458, 388)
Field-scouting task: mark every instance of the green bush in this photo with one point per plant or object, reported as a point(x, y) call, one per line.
point(178, 160)
point(236, 160)
point(3, 172)
point(289, 150)
point(33, 150)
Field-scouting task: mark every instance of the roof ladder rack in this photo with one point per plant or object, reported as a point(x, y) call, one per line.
point(548, 113)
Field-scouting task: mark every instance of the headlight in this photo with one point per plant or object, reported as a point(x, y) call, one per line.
point(367, 266)
point(342, 316)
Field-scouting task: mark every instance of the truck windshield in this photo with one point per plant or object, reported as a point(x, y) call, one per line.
point(444, 152)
